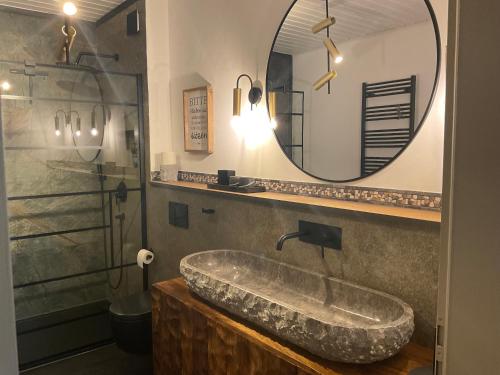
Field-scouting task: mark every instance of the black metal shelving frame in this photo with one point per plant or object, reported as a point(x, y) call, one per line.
point(392, 138)
point(289, 147)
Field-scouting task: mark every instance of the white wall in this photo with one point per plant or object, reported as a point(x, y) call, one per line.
point(333, 122)
point(192, 42)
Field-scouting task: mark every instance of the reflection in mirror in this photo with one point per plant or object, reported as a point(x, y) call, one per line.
point(353, 82)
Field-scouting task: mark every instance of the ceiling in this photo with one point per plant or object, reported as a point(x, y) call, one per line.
point(88, 10)
point(355, 19)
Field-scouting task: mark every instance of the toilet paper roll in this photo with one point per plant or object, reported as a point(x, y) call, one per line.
point(144, 257)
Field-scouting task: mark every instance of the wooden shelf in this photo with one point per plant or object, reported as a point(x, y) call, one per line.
point(192, 337)
point(368, 208)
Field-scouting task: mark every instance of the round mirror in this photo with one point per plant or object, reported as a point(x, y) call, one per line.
point(350, 83)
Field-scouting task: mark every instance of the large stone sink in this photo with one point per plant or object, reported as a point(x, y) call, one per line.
point(329, 317)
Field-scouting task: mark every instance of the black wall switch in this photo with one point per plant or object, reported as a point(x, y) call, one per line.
point(178, 215)
point(133, 27)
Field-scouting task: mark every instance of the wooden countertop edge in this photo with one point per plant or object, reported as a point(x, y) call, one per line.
point(411, 356)
point(368, 208)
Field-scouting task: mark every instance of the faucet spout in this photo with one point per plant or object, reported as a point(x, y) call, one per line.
point(281, 241)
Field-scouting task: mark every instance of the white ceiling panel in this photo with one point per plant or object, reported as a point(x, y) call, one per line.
point(355, 19)
point(88, 10)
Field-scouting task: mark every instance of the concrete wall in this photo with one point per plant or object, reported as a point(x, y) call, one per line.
point(392, 255)
point(193, 42)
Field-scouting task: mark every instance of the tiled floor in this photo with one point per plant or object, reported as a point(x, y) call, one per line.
point(105, 361)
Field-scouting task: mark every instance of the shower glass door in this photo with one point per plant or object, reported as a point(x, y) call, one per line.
point(75, 184)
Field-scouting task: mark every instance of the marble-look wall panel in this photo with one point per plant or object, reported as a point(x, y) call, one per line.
point(388, 254)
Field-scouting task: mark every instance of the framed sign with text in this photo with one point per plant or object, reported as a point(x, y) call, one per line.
point(198, 119)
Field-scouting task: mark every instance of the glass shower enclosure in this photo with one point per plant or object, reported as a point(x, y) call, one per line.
point(74, 152)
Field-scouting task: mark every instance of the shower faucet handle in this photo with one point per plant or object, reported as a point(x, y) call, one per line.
point(120, 216)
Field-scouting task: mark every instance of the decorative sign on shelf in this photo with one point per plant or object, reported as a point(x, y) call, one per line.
point(198, 119)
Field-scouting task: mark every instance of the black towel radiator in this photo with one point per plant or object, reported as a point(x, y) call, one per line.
point(386, 138)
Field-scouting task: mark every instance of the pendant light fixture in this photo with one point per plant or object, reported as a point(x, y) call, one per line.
point(57, 125)
point(327, 22)
point(69, 122)
point(93, 131)
point(332, 50)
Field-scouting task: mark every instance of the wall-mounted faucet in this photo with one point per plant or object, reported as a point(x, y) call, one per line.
point(283, 238)
point(317, 234)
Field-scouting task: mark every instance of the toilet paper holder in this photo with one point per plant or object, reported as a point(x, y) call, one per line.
point(145, 269)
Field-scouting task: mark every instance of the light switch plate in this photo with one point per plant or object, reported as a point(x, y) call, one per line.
point(178, 215)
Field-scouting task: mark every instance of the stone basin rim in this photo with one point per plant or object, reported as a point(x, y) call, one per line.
point(406, 315)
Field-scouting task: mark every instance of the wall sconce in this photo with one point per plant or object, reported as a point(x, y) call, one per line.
point(69, 123)
point(254, 95)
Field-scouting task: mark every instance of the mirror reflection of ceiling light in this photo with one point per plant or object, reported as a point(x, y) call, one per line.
point(78, 127)
point(324, 80)
point(333, 50)
point(327, 22)
point(69, 8)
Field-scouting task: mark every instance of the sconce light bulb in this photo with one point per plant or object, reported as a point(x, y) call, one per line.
point(69, 8)
point(58, 133)
point(78, 133)
point(6, 86)
point(274, 124)
point(235, 120)
point(94, 132)
point(339, 59)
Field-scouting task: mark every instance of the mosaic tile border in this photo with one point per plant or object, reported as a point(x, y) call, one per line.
point(408, 199)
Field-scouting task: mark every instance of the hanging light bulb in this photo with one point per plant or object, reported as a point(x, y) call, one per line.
point(93, 131)
point(78, 127)
point(69, 8)
point(333, 50)
point(57, 128)
point(6, 86)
